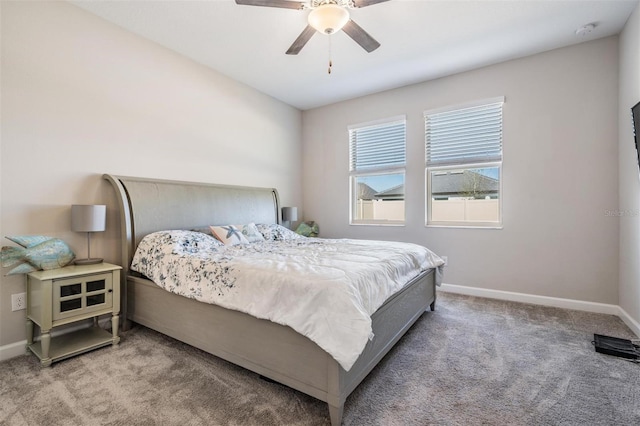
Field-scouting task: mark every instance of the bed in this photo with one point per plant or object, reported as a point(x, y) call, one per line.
point(267, 348)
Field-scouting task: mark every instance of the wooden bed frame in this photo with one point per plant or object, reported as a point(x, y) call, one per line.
point(267, 348)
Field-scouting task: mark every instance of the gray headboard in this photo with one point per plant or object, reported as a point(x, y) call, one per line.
point(150, 205)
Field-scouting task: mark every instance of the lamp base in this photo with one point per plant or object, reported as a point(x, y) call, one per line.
point(91, 261)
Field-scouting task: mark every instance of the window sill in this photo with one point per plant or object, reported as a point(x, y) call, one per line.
point(377, 223)
point(464, 226)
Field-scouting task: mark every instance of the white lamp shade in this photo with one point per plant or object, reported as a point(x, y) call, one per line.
point(289, 214)
point(328, 18)
point(88, 218)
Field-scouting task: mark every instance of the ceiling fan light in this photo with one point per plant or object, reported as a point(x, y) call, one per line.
point(328, 18)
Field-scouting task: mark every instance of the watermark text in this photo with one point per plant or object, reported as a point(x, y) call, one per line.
point(622, 213)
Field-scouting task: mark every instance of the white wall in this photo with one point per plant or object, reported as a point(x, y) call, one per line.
point(560, 173)
point(82, 97)
point(628, 173)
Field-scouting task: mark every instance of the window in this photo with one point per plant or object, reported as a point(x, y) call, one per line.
point(377, 170)
point(464, 165)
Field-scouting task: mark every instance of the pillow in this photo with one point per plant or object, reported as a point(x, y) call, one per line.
point(157, 245)
point(190, 241)
point(229, 235)
point(204, 230)
point(308, 229)
point(251, 233)
point(275, 232)
point(176, 241)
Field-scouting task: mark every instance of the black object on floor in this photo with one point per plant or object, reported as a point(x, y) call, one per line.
point(617, 347)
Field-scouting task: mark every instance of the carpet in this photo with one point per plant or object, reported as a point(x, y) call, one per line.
point(473, 361)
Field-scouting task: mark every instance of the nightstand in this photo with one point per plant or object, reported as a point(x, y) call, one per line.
point(66, 295)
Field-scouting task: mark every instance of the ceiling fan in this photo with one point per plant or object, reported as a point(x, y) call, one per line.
point(327, 17)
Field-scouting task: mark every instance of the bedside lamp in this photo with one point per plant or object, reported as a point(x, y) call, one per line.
point(88, 218)
point(289, 214)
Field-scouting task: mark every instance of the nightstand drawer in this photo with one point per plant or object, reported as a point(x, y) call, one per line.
point(82, 295)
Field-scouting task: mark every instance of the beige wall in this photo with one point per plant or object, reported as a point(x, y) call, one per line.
point(628, 173)
point(81, 97)
point(560, 173)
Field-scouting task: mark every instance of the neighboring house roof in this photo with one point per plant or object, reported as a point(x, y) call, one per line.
point(445, 184)
point(365, 192)
point(467, 181)
point(394, 193)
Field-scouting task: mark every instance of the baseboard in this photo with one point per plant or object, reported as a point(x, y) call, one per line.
point(556, 302)
point(18, 348)
point(13, 350)
point(631, 323)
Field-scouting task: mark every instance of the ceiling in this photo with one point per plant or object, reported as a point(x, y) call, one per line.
point(420, 39)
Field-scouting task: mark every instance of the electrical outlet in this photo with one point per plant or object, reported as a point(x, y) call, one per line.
point(446, 260)
point(18, 302)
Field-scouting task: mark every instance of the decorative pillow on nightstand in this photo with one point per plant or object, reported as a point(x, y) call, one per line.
point(230, 235)
point(308, 229)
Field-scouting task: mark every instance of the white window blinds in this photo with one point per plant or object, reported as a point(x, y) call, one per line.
point(465, 135)
point(378, 147)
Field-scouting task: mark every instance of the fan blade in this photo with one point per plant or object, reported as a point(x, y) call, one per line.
point(302, 39)
point(285, 4)
point(360, 36)
point(365, 3)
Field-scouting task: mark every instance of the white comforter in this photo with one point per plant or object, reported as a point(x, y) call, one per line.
point(324, 289)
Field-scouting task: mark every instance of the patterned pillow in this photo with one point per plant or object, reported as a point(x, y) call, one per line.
point(251, 233)
point(230, 235)
point(180, 241)
point(162, 243)
point(275, 232)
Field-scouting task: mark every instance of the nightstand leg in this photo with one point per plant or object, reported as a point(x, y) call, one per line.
point(115, 322)
point(29, 332)
point(45, 343)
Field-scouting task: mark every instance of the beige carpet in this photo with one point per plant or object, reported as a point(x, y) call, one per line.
point(471, 362)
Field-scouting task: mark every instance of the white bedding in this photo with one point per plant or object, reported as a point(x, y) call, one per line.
point(324, 289)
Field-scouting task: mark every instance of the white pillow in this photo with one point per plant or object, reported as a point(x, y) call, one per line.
point(251, 233)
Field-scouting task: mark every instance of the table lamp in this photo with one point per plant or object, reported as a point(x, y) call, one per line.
point(88, 218)
point(289, 214)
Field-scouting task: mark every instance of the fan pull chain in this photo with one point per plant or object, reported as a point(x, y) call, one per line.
point(330, 62)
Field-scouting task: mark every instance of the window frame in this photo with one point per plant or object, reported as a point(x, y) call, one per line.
point(463, 224)
point(463, 165)
point(354, 174)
